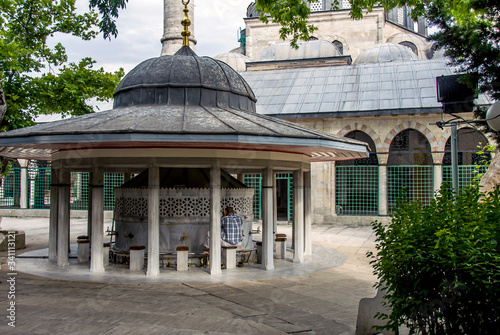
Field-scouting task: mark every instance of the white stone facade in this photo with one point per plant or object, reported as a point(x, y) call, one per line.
point(355, 35)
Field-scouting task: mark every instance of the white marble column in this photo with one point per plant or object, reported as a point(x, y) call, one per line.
point(382, 190)
point(438, 176)
point(23, 196)
point(154, 222)
point(89, 205)
point(215, 216)
point(275, 205)
point(298, 217)
point(268, 192)
point(54, 213)
point(307, 214)
point(63, 218)
point(97, 221)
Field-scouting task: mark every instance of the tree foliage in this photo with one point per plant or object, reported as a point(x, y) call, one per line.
point(3, 106)
point(440, 263)
point(34, 71)
point(292, 15)
point(109, 11)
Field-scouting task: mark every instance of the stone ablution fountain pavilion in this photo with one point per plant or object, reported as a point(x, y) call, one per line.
point(178, 111)
point(184, 209)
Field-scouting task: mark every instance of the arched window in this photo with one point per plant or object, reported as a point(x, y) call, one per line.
point(409, 168)
point(339, 46)
point(362, 136)
point(356, 181)
point(411, 46)
point(410, 147)
point(470, 142)
point(312, 38)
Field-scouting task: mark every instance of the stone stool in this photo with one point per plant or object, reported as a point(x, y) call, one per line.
point(259, 252)
point(182, 258)
point(105, 253)
point(229, 256)
point(367, 314)
point(137, 257)
point(82, 237)
point(83, 250)
point(280, 246)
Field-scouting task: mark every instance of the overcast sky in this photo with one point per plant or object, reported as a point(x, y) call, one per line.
point(140, 28)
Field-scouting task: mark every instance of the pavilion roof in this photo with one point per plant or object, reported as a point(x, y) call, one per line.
point(179, 126)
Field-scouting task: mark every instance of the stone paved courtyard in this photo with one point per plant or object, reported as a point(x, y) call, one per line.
point(322, 302)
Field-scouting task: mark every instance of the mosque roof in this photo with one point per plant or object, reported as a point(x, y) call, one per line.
point(183, 77)
point(235, 60)
point(386, 52)
point(158, 105)
point(395, 87)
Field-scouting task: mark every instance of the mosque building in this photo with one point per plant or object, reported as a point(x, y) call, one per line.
point(373, 80)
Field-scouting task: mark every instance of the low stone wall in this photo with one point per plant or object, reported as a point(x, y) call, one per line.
point(354, 220)
point(19, 240)
point(45, 213)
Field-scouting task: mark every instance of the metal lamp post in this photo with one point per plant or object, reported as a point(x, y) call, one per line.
point(456, 97)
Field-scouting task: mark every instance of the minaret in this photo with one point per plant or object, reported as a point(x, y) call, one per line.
point(172, 28)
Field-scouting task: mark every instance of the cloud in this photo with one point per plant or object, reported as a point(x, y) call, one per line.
point(140, 28)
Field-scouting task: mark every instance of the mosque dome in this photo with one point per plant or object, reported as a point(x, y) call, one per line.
point(309, 49)
point(184, 78)
point(235, 60)
point(387, 52)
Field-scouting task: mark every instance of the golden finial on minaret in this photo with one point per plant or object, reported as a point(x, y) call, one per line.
point(186, 23)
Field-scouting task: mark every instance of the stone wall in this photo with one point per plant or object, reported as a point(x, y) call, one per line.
point(355, 35)
point(382, 129)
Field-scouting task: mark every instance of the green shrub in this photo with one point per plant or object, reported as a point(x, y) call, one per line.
point(440, 263)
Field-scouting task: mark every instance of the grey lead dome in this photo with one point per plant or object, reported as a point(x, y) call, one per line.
point(387, 52)
point(184, 79)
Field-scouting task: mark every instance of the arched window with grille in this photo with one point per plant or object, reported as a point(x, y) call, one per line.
point(470, 142)
point(409, 168)
point(357, 181)
point(339, 46)
point(410, 46)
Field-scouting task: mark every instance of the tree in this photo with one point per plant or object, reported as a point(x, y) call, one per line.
point(109, 13)
point(292, 15)
point(3, 106)
point(35, 76)
point(440, 264)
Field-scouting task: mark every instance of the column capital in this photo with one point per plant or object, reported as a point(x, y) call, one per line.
point(437, 158)
point(382, 158)
point(23, 163)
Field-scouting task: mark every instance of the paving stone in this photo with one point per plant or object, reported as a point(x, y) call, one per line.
point(322, 302)
point(134, 330)
point(247, 327)
point(230, 307)
point(69, 327)
point(197, 322)
point(280, 325)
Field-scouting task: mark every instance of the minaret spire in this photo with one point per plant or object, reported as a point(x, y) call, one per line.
point(172, 39)
point(185, 23)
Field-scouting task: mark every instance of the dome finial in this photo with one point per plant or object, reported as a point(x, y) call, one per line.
point(186, 23)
